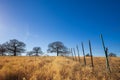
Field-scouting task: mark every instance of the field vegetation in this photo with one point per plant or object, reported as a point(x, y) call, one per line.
point(57, 68)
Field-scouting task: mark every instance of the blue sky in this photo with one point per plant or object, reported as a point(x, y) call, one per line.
point(40, 22)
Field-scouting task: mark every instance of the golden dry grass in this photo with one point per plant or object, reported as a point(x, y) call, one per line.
point(57, 68)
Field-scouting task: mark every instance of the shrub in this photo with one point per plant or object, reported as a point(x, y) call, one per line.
point(112, 55)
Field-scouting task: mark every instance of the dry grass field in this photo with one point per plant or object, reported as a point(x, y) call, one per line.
point(57, 68)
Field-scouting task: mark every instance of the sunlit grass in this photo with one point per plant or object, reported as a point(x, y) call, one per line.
point(57, 68)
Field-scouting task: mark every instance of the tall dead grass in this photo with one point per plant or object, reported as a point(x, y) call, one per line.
point(57, 68)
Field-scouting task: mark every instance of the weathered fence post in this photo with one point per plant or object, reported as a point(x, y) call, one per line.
point(78, 53)
point(106, 54)
point(75, 53)
point(83, 53)
point(72, 53)
point(91, 53)
point(69, 52)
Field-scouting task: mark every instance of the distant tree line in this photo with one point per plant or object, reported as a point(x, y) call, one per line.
point(15, 47)
point(110, 55)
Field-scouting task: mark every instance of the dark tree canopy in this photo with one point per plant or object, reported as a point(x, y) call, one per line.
point(15, 47)
point(57, 47)
point(112, 55)
point(2, 49)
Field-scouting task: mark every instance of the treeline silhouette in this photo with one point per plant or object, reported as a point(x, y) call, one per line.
point(15, 47)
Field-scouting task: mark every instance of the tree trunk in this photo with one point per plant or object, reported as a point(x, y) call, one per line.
point(57, 51)
point(15, 52)
point(36, 53)
point(2, 53)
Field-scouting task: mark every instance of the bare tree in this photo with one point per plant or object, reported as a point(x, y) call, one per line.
point(2, 49)
point(30, 53)
point(57, 47)
point(37, 51)
point(15, 47)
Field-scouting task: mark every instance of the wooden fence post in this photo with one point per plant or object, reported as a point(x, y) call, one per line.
point(74, 53)
point(106, 54)
point(78, 53)
point(91, 53)
point(83, 53)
